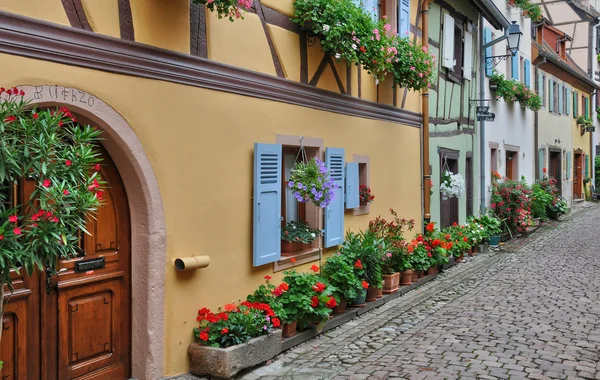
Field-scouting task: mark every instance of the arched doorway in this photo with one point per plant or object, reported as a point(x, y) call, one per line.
point(148, 240)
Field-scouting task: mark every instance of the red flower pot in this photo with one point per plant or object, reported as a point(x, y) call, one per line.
point(391, 282)
point(421, 274)
point(341, 307)
point(415, 276)
point(406, 277)
point(290, 247)
point(289, 329)
point(432, 270)
point(371, 294)
point(379, 292)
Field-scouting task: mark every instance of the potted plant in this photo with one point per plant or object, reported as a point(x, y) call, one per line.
point(371, 253)
point(296, 236)
point(344, 273)
point(234, 338)
point(309, 181)
point(391, 278)
point(492, 227)
point(231, 9)
point(452, 185)
point(420, 257)
point(309, 299)
point(365, 195)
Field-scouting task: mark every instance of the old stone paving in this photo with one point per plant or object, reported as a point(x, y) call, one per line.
point(533, 313)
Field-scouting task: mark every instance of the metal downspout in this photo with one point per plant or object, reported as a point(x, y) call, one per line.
point(482, 149)
point(425, 110)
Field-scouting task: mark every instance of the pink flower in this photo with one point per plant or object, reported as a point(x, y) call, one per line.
point(13, 219)
point(46, 183)
point(17, 231)
point(412, 68)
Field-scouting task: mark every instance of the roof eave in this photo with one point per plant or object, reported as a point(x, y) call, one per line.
point(491, 13)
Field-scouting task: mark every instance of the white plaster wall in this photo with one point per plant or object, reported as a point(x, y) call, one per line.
point(513, 125)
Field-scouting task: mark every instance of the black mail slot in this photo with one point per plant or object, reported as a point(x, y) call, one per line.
point(91, 264)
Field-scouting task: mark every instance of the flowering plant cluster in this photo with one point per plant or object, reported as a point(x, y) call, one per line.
point(397, 257)
point(62, 158)
point(457, 242)
point(231, 9)
point(300, 232)
point(490, 223)
point(554, 204)
point(511, 90)
point(345, 273)
point(234, 324)
point(531, 10)
point(348, 32)
point(475, 232)
point(365, 195)
point(310, 181)
point(511, 202)
point(452, 185)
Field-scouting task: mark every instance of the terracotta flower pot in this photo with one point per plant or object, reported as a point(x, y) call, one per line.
point(371, 294)
point(391, 282)
point(360, 299)
point(459, 258)
point(432, 270)
point(289, 329)
point(341, 307)
point(379, 292)
point(290, 247)
point(415, 276)
point(406, 278)
point(421, 274)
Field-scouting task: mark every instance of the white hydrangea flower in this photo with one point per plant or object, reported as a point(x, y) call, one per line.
point(454, 187)
point(326, 28)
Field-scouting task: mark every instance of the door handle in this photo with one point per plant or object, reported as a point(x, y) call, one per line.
point(49, 274)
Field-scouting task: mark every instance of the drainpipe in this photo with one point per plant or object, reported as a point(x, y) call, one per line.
point(425, 109)
point(482, 63)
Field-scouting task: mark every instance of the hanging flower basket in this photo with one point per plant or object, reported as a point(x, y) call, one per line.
point(453, 185)
point(310, 182)
point(365, 195)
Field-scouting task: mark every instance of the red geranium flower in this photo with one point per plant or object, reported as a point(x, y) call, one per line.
point(204, 336)
point(225, 331)
point(365, 284)
point(465, 239)
point(358, 264)
point(319, 287)
point(331, 303)
point(314, 301)
point(284, 286)
point(276, 322)
point(267, 278)
point(293, 260)
point(314, 268)
point(430, 227)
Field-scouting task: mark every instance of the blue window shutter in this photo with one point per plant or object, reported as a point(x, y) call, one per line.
point(267, 204)
point(487, 37)
point(568, 100)
point(542, 161)
point(352, 193)
point(404, 18)
point(514, 66)
point(527, 73)
point(568, 165)
point(334, 212)
point(550, 95)
point(560, 98)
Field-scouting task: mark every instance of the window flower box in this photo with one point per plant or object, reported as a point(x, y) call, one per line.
point(224, 363)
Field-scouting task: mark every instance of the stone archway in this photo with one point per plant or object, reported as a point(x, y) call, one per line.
point(148, 231)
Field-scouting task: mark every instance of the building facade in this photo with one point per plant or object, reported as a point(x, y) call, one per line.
point(194, 110)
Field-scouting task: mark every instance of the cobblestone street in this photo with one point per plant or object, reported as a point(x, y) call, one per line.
point(530, 311)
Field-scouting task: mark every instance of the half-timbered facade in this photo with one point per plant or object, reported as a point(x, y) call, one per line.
point(202, 120)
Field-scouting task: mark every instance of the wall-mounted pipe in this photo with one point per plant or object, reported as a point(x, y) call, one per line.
point(425, 111)
point(191, 263)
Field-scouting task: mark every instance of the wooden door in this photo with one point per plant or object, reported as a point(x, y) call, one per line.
point(509, 165)
point(577, 178)
point(555, 171)
point(77, 325)
point(469, 185)
point(449, 207)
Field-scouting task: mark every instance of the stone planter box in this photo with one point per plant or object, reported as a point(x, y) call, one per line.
point(223, 363)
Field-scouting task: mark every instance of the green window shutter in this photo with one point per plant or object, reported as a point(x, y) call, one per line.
point(334, 212)
point(352, 185)
point(568, 165)
point(267, 204)
point(550, 95)
point(575, 104)
point(587, 108)
point(587, 165)
point(560, 99)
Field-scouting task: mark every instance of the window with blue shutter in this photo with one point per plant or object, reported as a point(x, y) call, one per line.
point(514, 66)
point(352, 185)
point(527, 73)
point(404, 18)
point(487, 37)
point(568, 165)
point(266, 240)
point(560, 99)
point(550, 95)
point(542, 162)
point(334, 212)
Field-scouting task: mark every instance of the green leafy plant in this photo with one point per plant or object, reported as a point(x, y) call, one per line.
point(531, 10)
point(392, 233)
point(345, 274)
point(230, 9)
point(61, 156)
point(269, 293)
point(511, 90)
point(235, 324)
point(309, 298)
point(347, 31)
point(371, 254)
point(511, 202)
point(586, 123)
point(557, 206)
point(300, 232)
point(491, 224)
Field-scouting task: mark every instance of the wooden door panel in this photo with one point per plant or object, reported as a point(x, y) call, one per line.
point(90, 330)
point(15, 345)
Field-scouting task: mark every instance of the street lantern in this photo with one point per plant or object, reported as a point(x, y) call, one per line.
point(514, 37)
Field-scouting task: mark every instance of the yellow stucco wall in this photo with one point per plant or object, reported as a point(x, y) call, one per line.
point(203, 163)
point(47, 10)
point(103, 16)
point(165, 24)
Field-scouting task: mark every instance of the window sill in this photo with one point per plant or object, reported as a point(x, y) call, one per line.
point(302, 257)
point(453, 77)
point(361, 210)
